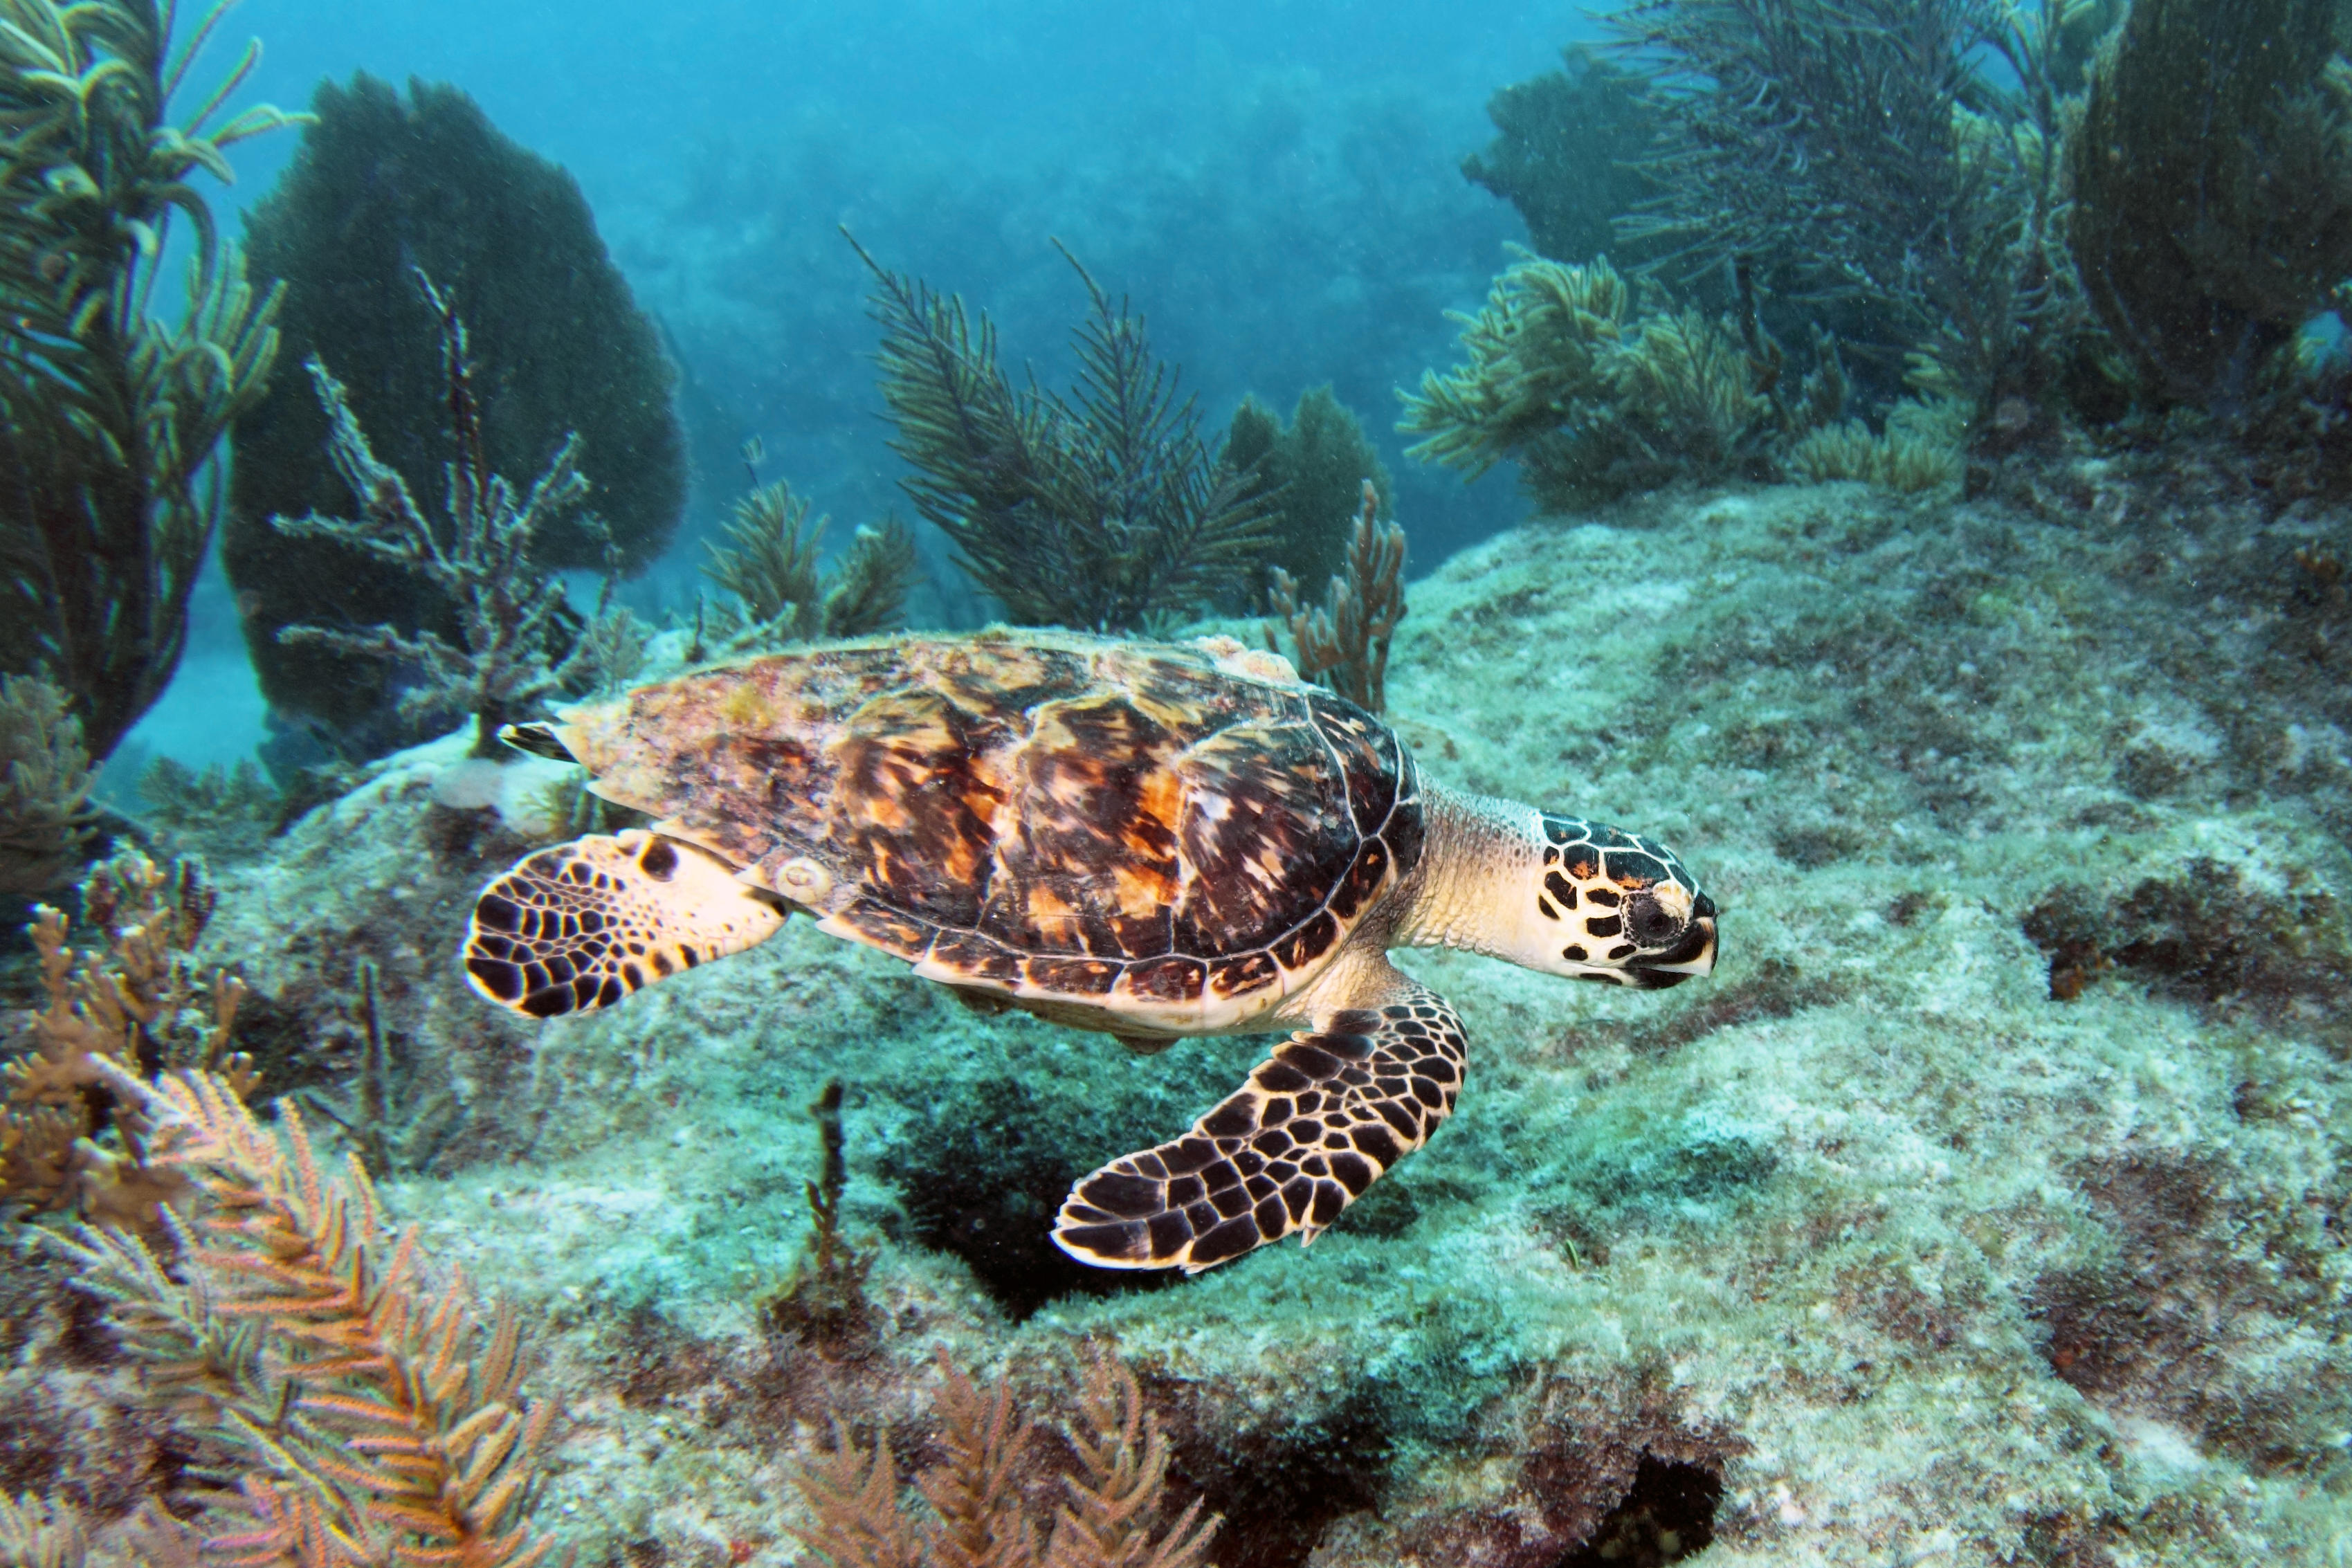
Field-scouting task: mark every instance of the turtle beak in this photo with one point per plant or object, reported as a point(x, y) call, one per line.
point(1694, 954)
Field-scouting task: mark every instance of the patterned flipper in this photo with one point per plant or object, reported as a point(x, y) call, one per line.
point(583, 924)
point(1318, 1122)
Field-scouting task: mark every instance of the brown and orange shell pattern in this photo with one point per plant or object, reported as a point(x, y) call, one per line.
point(1174, 835)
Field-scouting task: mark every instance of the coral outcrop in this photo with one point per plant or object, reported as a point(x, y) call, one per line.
point(1981, 1208)
point(112, 419)
point(381, 186)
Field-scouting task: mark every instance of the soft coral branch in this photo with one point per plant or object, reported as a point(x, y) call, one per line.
point(479, 559)
point(381, 1416)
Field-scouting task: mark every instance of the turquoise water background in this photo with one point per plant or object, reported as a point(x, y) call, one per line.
point(1276, 185)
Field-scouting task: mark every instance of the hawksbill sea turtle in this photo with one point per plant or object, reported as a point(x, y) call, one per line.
point(1149, 840)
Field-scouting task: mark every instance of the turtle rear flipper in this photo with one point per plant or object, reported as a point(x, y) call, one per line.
point(1318, 1122)
point(582, 925)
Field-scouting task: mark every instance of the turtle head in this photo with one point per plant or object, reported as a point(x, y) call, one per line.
point(1561, 895)
point(1606, 904)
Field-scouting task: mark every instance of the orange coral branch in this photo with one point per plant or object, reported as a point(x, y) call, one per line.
point(407, 1441)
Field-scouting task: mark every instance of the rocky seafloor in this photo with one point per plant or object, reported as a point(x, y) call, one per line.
point(1986, 1206)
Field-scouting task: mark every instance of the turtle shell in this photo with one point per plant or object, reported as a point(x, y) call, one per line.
point(1148, 837)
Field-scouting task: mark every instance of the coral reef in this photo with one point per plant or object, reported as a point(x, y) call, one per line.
point(376, 1415)
point(76, 1134)
point(1110, 1517)
point(1595, 397)
point(112, 419)
point(1344, 642)
point(1307, 473)
point(1869, 1249)
point(45, 784)
point(479, 562)
point(382, 185)
point(1566, 152)
point(782, 596)
point(1103, 511)
point(1896, 153)
point(2198, 118)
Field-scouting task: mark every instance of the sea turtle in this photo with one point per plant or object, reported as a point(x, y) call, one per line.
point(1147, 839)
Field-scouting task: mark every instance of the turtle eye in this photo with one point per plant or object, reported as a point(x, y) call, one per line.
point(1649, 922)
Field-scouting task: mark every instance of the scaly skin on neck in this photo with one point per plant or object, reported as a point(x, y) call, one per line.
point(1480, 851)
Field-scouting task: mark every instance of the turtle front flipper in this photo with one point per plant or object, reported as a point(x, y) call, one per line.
point(1316, 1123)
point(583, 924)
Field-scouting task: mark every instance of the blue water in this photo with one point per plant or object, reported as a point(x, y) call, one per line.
point(1276, 186)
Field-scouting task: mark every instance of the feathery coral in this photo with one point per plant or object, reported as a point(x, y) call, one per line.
point(1098, 512)
point(382, 1414)
point(1110, 1519)
point(979, 1518)
point(1594, 398)
point(771, 570)
point(34, 1533)
point(1919, 451)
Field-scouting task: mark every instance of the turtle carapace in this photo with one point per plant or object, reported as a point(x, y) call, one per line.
point(1145, 839)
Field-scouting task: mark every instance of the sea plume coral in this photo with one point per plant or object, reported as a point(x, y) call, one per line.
point(771, 565)
point(980, 1515)
point(1893, 153)
point(1344, 643)
point(377, 1414)
point(42, 1533)
point(1102, 510)
point(1308, 472)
